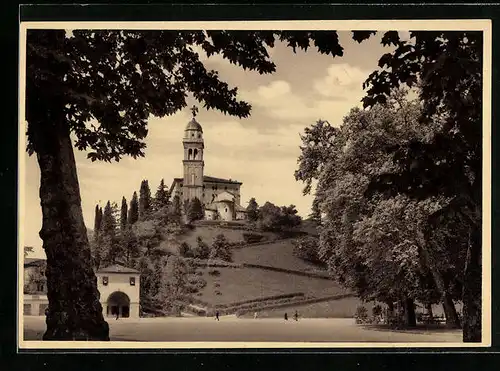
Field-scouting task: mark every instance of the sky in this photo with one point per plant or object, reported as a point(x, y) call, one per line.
point(260, 151)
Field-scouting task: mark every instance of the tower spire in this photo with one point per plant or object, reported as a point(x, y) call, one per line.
point(194, 111)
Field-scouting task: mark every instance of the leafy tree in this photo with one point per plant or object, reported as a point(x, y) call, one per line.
point(123, 215)
point(144, 200)
point(315, 215)
point(448, 68)
point(315, 151)
point(307, 248)
point(275, 218)
point(221, 249)
point(269, 217)
point(176, 209)
point(130, 248)
point(177, 278)
point(185, 250)
point(195, 210)
point(252, 210)
point(203, 251)
point(133, 212)
point(289, 217)
point(118, 78)
point(371, 241)
point(146, 283)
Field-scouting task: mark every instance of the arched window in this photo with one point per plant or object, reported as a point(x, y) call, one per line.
point(199, 135)
point(190, 154)
point(195, 157)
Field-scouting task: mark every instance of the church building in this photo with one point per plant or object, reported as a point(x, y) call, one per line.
point(219, 197)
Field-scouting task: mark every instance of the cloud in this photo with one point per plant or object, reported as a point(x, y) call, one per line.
point(341, 80)
point(329, 98)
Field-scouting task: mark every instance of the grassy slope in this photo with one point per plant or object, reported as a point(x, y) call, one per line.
point(278, 254)
point(237, 284)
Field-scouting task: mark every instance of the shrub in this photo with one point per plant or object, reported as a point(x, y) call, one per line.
point(221, 249)
point(216, 284)
point(252, 237)
point(185, 250)
point(361, 315)
point(214, 272)
point(377, 310)
point(217, 292)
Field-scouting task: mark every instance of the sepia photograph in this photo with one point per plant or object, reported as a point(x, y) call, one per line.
point(254, 184)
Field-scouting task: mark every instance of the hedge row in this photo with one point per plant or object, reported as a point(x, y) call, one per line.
point(291, 271)
point(256, 305)
point(298, 302)
point(259, 300)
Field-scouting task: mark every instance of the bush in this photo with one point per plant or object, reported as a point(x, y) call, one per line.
point(214, 272)
point(185, 250)
point(217, 292)
point(252, 237)
point(361, 315)
point(377, 310)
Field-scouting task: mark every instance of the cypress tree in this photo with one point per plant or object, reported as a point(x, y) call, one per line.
point(108, 235)
point(123, 215)
point(133, 212)
point(161, 196)
point(97, 221)
point(195, 210)
point(144, 199)
point(252, 210)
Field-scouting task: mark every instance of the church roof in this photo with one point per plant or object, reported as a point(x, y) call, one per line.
point(33, 262)
point(194, 125)
point(117, 268)
point(211, 207)
point(212, 179)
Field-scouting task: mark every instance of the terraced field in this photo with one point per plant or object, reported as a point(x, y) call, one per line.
point(238, 284)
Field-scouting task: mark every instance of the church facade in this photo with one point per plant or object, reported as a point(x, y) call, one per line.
point(219, 197)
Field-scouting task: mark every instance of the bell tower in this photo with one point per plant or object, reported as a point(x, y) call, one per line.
point(193, 159)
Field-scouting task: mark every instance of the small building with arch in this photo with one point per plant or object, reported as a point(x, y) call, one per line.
point(119, 287)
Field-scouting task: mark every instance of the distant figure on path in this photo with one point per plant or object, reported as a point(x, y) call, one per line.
point(217, 315)
point(255, 315)
point(117, 314)
point(286, 316)
point(296, 316)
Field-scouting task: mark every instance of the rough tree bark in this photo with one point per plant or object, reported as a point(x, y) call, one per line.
point(75, 312)
point(450, 311)
point(409, 312)
point(428, 307)
point(472, 295)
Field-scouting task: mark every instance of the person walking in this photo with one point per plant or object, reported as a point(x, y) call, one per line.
point(117, 313)
point(255, 315)
point(217, 315)
point(296, 316)
point(286, 316)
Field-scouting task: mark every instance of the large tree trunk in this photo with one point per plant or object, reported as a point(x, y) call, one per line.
point(450, 312)
point(409, 313)
point(472, 295)
point(452, 319)
point(428, 307)
point(74, 309)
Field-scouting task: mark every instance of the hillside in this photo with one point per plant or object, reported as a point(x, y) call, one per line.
point(261, 277)
point(278, 254)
